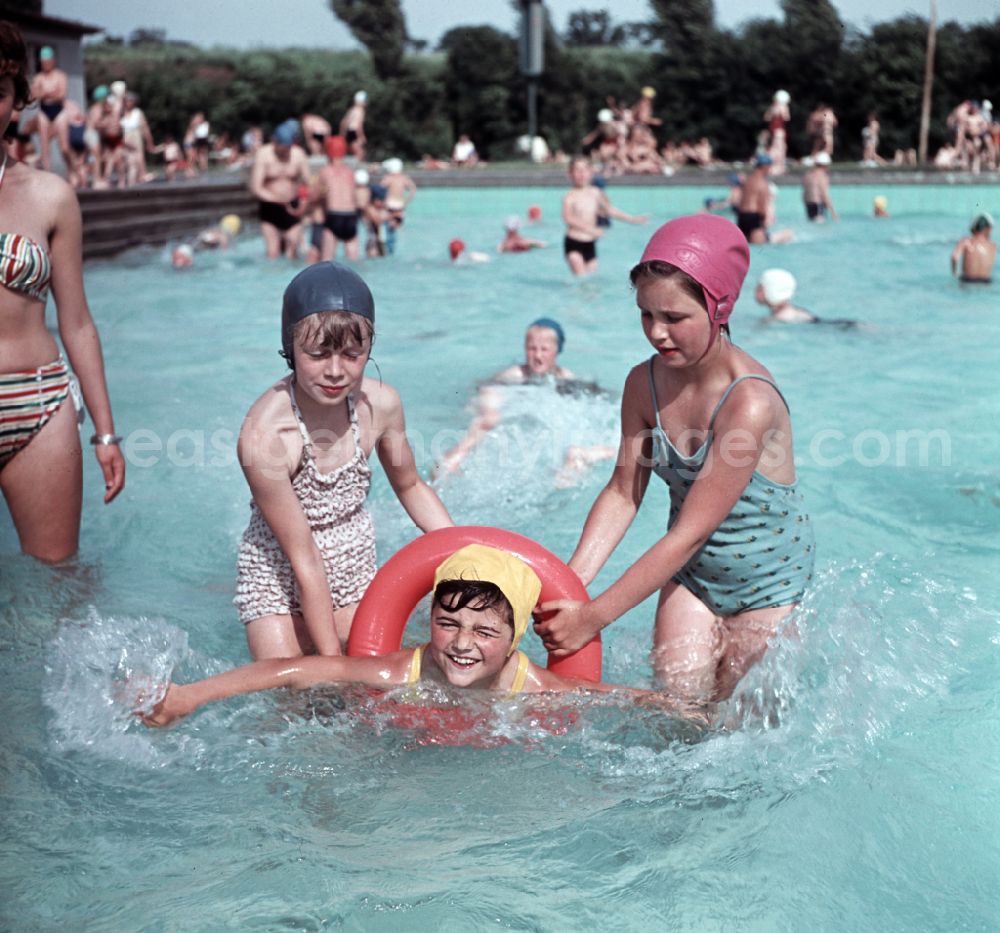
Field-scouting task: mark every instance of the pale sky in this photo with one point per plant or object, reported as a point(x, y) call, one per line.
point(275, 23)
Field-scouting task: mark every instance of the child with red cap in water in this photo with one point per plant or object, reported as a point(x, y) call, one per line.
point(708, 419)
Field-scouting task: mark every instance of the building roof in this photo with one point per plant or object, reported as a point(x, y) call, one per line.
point(52, 24)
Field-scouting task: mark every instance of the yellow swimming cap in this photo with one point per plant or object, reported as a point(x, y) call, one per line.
point(511, 575)
point(231, 223)
point(881, 202)
point(648, 91)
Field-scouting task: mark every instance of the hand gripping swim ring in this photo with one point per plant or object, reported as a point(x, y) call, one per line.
point(408, 576)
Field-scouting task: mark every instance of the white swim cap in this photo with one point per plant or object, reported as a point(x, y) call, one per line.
point(118, 89)
point(361, 97)
point(822, 158)
point(524, 143)
point(782, 97)
point(361, 176)
point(605, 116)
point(778, 285)
point(393, 165)
point(513, 222)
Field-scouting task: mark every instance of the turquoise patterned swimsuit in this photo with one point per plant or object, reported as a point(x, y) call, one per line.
point(762, 554)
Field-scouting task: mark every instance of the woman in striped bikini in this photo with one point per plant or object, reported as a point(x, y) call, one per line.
point(41, 463)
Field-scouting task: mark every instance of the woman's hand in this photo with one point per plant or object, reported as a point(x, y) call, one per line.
point(573, 625)
point(112, 462)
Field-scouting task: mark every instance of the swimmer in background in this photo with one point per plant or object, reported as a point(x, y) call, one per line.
point(71, 126)
point(816, 190)
point(376, 216)
point(460, 256)
point(222, 234)
point(352, 125)
point(731, 201)
point(49, 87)
point(278, 169)
point(880, 206)
point(756, 206)
point(583, 206)
point(399, 192)
point(315, 130)
point(337, 191)
point(776, 289)
point(480, 611)
point(543, 342)
point(975, 254)
point(514, 241)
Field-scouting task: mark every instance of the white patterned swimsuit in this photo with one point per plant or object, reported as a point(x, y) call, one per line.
point(334, 506)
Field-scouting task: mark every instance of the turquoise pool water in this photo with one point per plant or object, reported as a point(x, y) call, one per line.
point(856, 785)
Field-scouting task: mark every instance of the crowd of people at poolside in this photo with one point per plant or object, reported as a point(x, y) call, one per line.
point(110, 143)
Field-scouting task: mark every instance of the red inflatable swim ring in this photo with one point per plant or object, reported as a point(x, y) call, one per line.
point(408, 576)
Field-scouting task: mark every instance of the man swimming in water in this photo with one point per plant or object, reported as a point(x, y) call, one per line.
point(976, 253)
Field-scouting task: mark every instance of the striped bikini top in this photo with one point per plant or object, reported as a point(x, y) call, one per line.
point(25, 266)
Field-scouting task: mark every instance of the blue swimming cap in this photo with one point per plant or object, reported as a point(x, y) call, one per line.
point(551, 325)
point(764, 159)
point(99, 93)
point(46, 53)
point(379, 192)
point(323, 286)
point(599, 181)
point(287, 133)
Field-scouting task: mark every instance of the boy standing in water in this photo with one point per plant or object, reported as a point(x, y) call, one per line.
point(583, 205)
point(977, 253)
point(338, 191)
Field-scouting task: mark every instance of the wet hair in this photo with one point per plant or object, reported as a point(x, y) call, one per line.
point(332, 330)
point(658, 269)
point(478, 595)
point(14, 62)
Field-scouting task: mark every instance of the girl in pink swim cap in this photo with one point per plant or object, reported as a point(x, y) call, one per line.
point(708, 419)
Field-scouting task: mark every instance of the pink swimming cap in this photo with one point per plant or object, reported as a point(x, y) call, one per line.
point(710, 249)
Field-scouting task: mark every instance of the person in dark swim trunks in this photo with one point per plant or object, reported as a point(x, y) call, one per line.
point(49, 87)
point(278, 170)
point(336, 190)
point(583, 207)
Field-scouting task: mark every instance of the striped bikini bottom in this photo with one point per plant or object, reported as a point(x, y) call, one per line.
point(28, 400)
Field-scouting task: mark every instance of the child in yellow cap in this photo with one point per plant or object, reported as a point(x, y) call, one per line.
point(483, 600)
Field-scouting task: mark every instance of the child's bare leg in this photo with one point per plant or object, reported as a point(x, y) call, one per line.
point(687, 644)
point(278, 636)
point(745, 642)
point(272, 240)
point(577, 264)
point(342, 620)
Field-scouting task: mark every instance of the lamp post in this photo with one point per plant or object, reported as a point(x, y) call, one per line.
point(532, 58)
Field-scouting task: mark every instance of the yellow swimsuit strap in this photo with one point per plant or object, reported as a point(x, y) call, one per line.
point(414, 674)
point(517, 684)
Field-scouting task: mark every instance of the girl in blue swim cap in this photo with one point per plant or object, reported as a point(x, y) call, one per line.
point(308, 554)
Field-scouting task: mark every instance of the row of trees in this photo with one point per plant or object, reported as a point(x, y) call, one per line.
point(710, 81)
